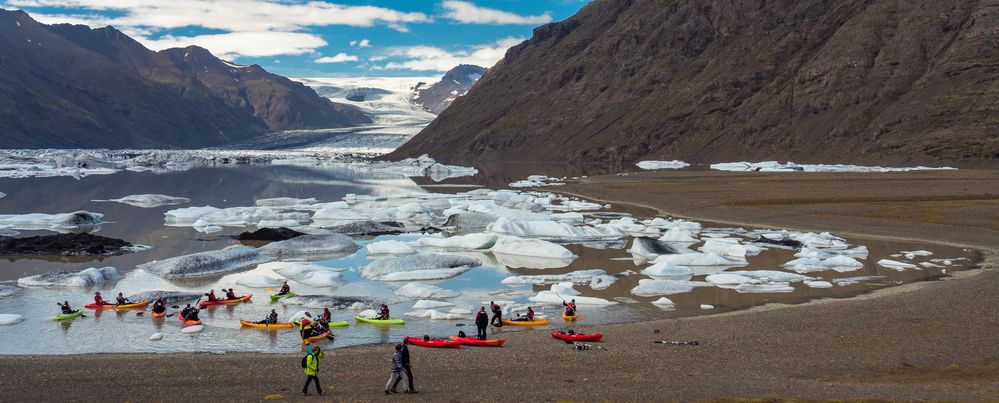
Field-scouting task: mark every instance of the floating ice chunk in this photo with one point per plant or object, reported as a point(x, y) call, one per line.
point(205, 216)
point(663, 302)
point(729, 248)
point(193, 329)
point(311, 245)
point(205, 264)
point(678, 235)
point(62, 222)
point(536, 181)
point(602, 282)
point(311, 275)
point(699, 259)
point(706, 306)
point(10, 319)
point(429, 304)
point(806, 265)
point(168, 297)
point(463, 242)
point(650, 165)
point(149, 200)
point(277, 223)
point(285, 202)
point(156, 336)
point(436, 315)
point(665, 269)
point(650, 288)
point(819, 284)
point(71, 278)
point(855, 280)
point(911, 254)
point(895, 265)
point(2, 195)
point(418, 267)
point(6, 290)
point(823, 240)
point(578, 277)
point(331, 302)
point(511, 245)
point(930, 265)
point(628, 225)
point(530, 262)
point(425, 291)
point(368, 228)
point(208, 229)
point(764, 288)
point(649, 248)
point(559, 292)
point(727, 279)
point(551, 230)
point(773, 276)
point(259, 281)
point(390, 247)
point(569, 218)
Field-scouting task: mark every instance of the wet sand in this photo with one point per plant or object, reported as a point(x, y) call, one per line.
point(929, 340)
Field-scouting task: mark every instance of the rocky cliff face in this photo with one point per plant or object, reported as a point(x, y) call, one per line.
point(455, 83)
point(858, 81)
point(72, 86)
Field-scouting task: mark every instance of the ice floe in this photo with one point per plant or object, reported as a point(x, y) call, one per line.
point(425, 291)
point(205, 217)
point(10, 319)
point(819, 284)
point(664, 302)
point(332, 302)
point(6, 290)
point(911, 254)
point(772, 276)
point(89, 277)
point(551, 230)
point(763, 288)
point(840, 263)
point(511, 245)
point(895, 265)
point(308, 274)
point(678, 235)
point(390, 247)
point(855, 280)
point(666, 269)
point(650, 165)
point(537, 181)
point(430, 304)
point(648, 248)
point(156, 336)
point(563, 292)
point(190, 330)
point(700, 259)
point(204, 264)
point(422, 166)
point(577, 277)
point(61, 222)
point(149, 200)
point(311, 246)
point(774, 166)
point(168, 297)
point(418, 267)
point(460, 242)
point(259, 281)
point(649, 287)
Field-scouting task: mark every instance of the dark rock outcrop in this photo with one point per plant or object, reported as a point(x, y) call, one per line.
point(852, 81)
point(269, 234)
point(73, 244)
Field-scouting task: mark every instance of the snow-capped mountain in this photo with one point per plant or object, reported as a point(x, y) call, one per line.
point(455, 83)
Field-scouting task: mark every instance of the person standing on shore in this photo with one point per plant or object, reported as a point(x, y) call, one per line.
point(396, 371)
point(481, 321)
point(312, 368)
point(497, 314)
point(407, 368)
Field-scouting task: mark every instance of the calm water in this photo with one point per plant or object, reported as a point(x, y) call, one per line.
point(242, 185)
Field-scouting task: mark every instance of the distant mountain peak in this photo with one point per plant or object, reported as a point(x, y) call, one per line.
point(455, 83)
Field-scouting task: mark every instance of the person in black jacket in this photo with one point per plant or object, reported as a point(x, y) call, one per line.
point(497, 314)
point(407, 368)
point(481, 322)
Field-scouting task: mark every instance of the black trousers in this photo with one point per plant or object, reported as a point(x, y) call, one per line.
point(497, 319)
point(481, 331)
point(308, 380)
point(409, 377)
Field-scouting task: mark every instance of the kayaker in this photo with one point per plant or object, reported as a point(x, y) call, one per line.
point(481, 322)
point(191, 314)
point(497, 314)
point(384, 314)
point(212, 297)
point(121, 299)
point(570, 307)
point(408, 369)
point(526, 318)
point(312, 368)
point(159, 306)
point(285, 289)
point(99, 300)
point(271, 319)
point(185, 311)
point(306, 329)
point(396, 370)
point(231, 294)
point(65, 307)
point(327, 315)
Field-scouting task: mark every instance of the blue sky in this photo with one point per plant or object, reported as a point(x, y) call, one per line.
point(312, 38)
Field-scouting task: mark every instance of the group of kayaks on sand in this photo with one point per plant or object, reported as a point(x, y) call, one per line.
point(318, 328)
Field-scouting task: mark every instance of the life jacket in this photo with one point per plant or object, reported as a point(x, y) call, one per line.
point(98, 300)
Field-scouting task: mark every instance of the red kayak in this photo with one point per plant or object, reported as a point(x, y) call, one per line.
point(471, 341)
point(189, 322)
point(578, 336)
point(433, 343)
point(159, 314)
point(226, 301)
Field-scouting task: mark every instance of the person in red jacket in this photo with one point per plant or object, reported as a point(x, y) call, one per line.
point(481, 322)
point(231, 294)
point(99, 300)
point(211, 296)
point(327, 315)
point(570, 307)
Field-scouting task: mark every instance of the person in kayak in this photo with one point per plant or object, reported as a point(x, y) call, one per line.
point(211, 296)
point(570, 307)
point(497, 314)
point(122, 300)
point(407, 369)
point(312, 368)
point(231, 294)
point(384, 314)
point(306, 329)
point(327, 315)
point(526, 318)
point(481, 321)
point(99, 300)
point(270, 319)
point(396, 369)
point(65, 307)
point(285, 289)
point(159, 306)
point(189, 313)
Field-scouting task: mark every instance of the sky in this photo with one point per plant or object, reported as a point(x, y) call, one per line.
point(315, 38)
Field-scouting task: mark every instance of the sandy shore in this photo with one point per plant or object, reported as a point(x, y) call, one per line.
point(923, 341)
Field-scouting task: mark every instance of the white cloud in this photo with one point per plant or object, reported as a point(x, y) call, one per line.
point(364, 43)
point(469, 13)
point(352, 43)
point(430, 58)
point(338, 58)
point(234, 44)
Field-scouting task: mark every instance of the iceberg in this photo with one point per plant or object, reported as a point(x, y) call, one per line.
point(729, 248)
point(418, 267)
point(665, 269)
point(204, 264)
point(464, 242)
point(699, 259)
point(511, 245)
point(285, 202)
point(368, 228)
point(819, 284)
point(149, 200)
point(156, 336)
point(10, 319)
point(62, 222)
point(191, 330)
point(259, 281)
point(895, 265)
point(308, 274)
point(90, 277)
point(840, 263)
point(551, 230)
point(678, 235)
point(578, 277)
point(530, 262)
point(648, 248)
point(425, 291)
point(312, 246)
point(663, 302)
point(331, 302)
point(650, 288)
point(201, 218)
point(563, 292)
point(911, 254)
point(764, 288)
point(651, 165)
point(855, 280)
point(168, 297)
point(429, 304)
point(727, 279)
point(390, 247)
point(772, 276)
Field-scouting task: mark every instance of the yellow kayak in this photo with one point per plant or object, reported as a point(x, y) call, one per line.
point(567, 317)
point(536, 322)
point(278, 325)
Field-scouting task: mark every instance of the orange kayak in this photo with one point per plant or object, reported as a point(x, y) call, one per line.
point(159, 315)
point(471, 341)
point(140, 304)
point(314, 339)
point(226, 301)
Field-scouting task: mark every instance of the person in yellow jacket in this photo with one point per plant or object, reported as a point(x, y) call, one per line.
point(312, 368)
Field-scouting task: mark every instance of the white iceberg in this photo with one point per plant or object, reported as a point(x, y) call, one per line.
point(819, 284)
point(663, 302)
point(156, 336)
point(193, 329)
point(311, 275)
point(87, 278)
point(390, 247)
point(911, 254)
point(551, 230)
point(564, 292)
point(577, 277)
point(699, 259)
point(764, 288)
point(530, 262)
point(650, 165)
point(201, 218)
point(665, 269)
point(10, 319)
point(311, 245)
point(62, 222)
point(203, 264)
point(429, 304)
point(425, 291)
point(259, 281)
point(678, 235)
point(772, 276)
point(727, 279)
point(418, 267)
point(895, 265)
point(285, 202)
point(649, 288)
point(729, 248)
point(511, 245)
point(462, 242)
point(649, 248)
point(149, 200)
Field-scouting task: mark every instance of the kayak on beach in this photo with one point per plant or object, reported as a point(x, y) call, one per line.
point(134, 305)
point(433, 343)
point(276, 297)
point(324, 336)
point(380, 321)
point(279, 325)
point(471, 341)
point(536, 322)
point(594, 337)
point(226, 301)
point(68, 316)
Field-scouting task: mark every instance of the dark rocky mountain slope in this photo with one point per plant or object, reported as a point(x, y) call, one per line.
point(436, 97)
point(852, 81)
point(73, 86)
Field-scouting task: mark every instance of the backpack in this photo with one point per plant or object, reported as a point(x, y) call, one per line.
point(304, 361)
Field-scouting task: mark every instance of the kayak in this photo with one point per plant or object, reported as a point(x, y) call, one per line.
point(567, 317)
point(314, 339)
point(226, 301)
point(333, 323)
point(577, 336)
point(278, 325)
point(158, 315)
point(276, 297)
point(433, 343)
point(381, 321)
point(140, 304)
point(189, 322)
point(471, 341)
point(536, 322)
point(68, 316)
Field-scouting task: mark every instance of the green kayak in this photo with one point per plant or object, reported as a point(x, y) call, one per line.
point(68, 316)
point(381, 321)
point(333, 323)
point(274, 298)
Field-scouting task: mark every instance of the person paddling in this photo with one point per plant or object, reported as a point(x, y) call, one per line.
point(159, 306)
point(570, 307)
point(65, 307)
point(306, 329)
point(285, 289)
point(384, 314)
point(497, 314)
point(231, 294)
point(327, 315)
point(312, 368)
point(211, 296)
point(122, 300)
point(481, 321)
point(189, 313)
point(99, 300)
point(271, 319)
